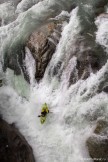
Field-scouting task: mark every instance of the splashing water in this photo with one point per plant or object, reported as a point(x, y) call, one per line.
point(73, 110)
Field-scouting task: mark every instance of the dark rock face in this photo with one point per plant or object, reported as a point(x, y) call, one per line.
point(100, 7)
point(89, 58)
point(98, 148)
point(88, 61)
point(98, 143)
point(101, 3)
point(13, 146)
point(105, 89)
point(42, 45)
point(101, 127)
point(16, 62)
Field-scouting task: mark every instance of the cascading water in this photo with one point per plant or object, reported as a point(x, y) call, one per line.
point(74, 109)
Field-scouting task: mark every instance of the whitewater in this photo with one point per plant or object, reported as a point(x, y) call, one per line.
point(74, 110)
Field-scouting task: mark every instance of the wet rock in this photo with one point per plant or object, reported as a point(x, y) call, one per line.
point(98, 148)
point(98, 143)
point(101, 3)
point(13, 146)
point(73, 77)
point(99, 11)
point(1, 83)
point(101, 127)
point(100, 7)
point(105, 89)
point(89, 57)
point(12, 64)
point(89, 54)
point(83, 69)
point(42, 45)
point(17, 65)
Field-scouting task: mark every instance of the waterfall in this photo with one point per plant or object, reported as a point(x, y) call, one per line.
point(74, 108)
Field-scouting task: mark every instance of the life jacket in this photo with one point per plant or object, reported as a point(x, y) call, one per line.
point(45, 108)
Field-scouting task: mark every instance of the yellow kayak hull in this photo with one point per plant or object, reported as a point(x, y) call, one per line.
point(42, 120)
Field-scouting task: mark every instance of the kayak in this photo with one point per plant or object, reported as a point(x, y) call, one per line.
point(42, 119)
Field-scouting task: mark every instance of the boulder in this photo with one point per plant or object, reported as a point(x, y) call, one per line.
point(101, 3)
point(101, 127)
point(89, 57)
point(13, 146)
point(100, 7)
point(42, 44)
point(98, 143)
point(105, 89)
point(98, 148)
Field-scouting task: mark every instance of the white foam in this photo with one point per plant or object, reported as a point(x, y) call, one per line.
point(73, 111)
point(102, 33)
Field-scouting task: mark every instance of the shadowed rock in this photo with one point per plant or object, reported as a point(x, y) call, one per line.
point(98, 143)
point(105, 89)
point(13, 146)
